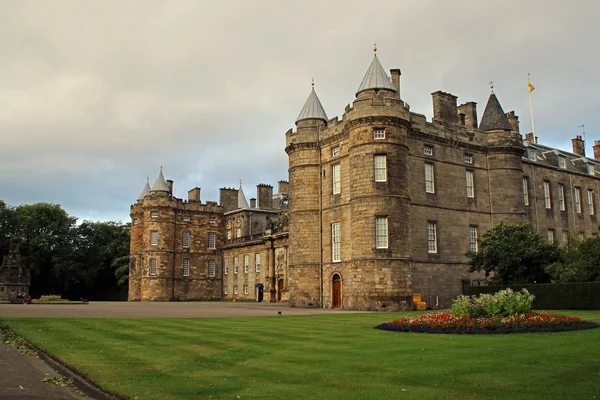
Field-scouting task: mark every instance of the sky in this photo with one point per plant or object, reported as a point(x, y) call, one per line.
point(96, 95)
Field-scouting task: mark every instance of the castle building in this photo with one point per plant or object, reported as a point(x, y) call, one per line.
point(380, 204)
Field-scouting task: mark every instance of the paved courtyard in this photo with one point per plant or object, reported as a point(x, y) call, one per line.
point(105, 309)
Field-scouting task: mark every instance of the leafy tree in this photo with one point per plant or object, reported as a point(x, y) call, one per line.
point(579, 262)
point(514, 254)
point(7, 222)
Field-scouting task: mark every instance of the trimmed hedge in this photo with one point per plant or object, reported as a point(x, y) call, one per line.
point(552, 296)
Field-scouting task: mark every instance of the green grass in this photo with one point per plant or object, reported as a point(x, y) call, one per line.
point(318, 357)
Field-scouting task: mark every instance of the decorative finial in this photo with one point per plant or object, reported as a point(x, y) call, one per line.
point(148, 179)
point(161, 166)
point(313, 82)
point(240, 183)
point(375, 47)
point(492, 85)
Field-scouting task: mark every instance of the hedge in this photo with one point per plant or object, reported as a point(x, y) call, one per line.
point(552, 296)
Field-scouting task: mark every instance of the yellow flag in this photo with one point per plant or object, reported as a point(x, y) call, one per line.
point(531, 88)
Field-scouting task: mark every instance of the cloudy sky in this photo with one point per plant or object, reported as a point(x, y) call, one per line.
point(96, 95)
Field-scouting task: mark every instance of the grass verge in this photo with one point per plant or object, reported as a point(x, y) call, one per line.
point(317, 357)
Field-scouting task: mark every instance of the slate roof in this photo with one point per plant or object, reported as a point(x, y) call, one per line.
point(549, 156)
point(146, 190)
point(494, 117)
point(313, 109)
point(160, 184)
point(375, 78)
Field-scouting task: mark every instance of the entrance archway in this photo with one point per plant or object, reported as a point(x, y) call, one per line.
point(279, 289)
point(336, 291)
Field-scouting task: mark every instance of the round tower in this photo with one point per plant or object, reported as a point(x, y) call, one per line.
point(304, 262)
point(377, 276)
point(158, 243)
point(505, 150)
point(136, 245)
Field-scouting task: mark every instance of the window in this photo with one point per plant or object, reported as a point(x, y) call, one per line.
point(235, 290)
point(432, 237)
point(381, 232)
point(335, 242)
point(238, 232)
point(591, 201)
point(380, 168)
point(152, 270)
point(561, 197)
point(469, 158)
point(525, 191)
point(379, 133)
point(551, 235)
point(429, 182)
point(428, 150)
point(226, 266)
point(186, 218)
point(591, 169)
point(186, 267)
point(225, 290)
point(211, 268)
point(212, 240)
point(135, 222)
point(229, 234)
point(335, 151)
point(212, 220)
point(154, 238)
point(531, 154)
point(154, 214)
point(239, 220)
point(473, 234)
point(578, 200)
point(257, 262)
point(562, 162)
point(185, 240)
point(335, 173)
point(547, 200)
point(245, 289)
point(470, 185)
point(246, 262)
point(235, 265)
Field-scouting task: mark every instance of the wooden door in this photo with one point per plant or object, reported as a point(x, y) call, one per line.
point(336, 291)
point(279, 289)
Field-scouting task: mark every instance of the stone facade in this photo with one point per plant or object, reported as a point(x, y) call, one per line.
point(380, 204)
point(15, 278)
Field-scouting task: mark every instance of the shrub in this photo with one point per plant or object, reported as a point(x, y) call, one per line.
point(502, 303)
point(50, 297)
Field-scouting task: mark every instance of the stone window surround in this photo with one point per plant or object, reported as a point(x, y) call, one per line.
point(526, 190)
point(378, 133)
point(550, 235)
point(153, 238)
point(186, 266)
point(468, 158)
point(226, 266)
point(473, 238)
point(336, 242)
point(429, 177)
point(185, 239)
point(561, 197)
point(257, 262)
point(562, 162)
point(235, 264)
point(470, 181)
point(212, 267)
point(154, 214)
point(381, 232)
point(335, 151)
point(381, 169)
point(591, 201)
point(152, 269)
point(235, 290)
point(547, 195)
point(246, 263)
point(432, 237)
point(245, 289)
point(336, 180)
point(577, 194)
point(212, 240)
point(428, 150)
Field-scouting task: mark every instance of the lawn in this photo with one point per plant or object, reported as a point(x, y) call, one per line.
point(318, 357)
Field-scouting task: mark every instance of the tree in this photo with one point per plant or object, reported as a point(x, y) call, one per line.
point(514, 255)
point(579, 262)
point(7, 224)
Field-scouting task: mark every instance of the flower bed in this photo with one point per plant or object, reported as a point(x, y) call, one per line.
point(465, 324)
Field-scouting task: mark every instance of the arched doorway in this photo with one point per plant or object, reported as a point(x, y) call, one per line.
point(336, 291)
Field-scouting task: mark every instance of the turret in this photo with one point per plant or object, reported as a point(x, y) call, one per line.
point(505, 170)
point(160, 187)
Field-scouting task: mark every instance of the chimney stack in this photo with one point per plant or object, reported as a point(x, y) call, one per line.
point(228, 199)
point(253, 203)
point(264, 193)
point(513, 120)
point(395, 81)
point(578, 146)
point(444, 107)
point(597, 149)
point(194, 194)
point(283, 187)
point(469, 110)
point(170, 184)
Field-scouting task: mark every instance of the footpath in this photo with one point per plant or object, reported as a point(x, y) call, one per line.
point(21, 378)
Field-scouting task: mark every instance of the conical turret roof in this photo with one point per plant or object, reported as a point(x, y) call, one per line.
point(312, 108)
point(146, 190)
point(493, 117)
point(242, 202)
point(160, 184)
point(375, 78)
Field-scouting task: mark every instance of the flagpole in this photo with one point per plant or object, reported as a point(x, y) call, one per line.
point(531, 108)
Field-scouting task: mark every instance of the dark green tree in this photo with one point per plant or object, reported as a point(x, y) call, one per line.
point(513, 254)
point(7, 225)
point(579, 262)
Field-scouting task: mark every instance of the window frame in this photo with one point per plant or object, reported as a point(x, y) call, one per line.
point(473, 238)
point(336, 179)
point(185, 266)
point(379, 133)
point(562, 162)
point(336, 151)
point(526, 190)
point(428, 150)
point(591, 169)
point(336, 242)
point(154, 214)
point(225, 266)
point(246, 291)
point(591, 204)
point(236, 265)
point(382, 176)
point(153, 267)
point(431, 168)
point(154, 237)
point(186, 218)
point(257, 262)
point(225, 290)
point(184, 235)
point(470, 188)
point(432, 237)
point(212, 236)
point(547, 195)
point(562, 205)
point(550, 236)
point(577, 194)
point(212, 268)
point(235, 290)
point(246, 263)
point(382, 232)
point(468, 158)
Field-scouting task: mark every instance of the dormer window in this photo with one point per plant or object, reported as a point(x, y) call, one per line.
point(428, 150)
point(336, 151)
point(562, 162)
point(531, 154)
point(379, 133)
point(591, 169)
